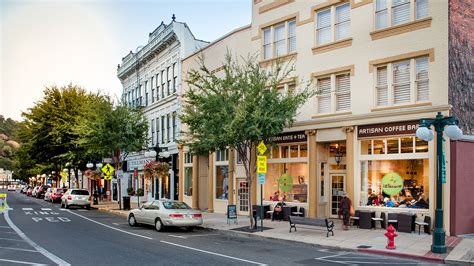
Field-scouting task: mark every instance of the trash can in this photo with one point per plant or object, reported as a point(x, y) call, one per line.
point(126, 202)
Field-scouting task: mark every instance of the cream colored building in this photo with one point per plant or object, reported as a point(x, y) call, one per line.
point(380, 67)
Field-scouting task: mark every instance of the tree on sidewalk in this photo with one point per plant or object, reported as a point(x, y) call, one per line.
point(238, 108)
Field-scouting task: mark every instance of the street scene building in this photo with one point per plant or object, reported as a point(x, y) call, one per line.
point(379, 67)
point(151, 78)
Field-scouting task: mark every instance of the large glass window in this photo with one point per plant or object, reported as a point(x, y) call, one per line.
point(287, 182)
point(400, 12)
point(333, 24)
point(222, 181)
point(188, 181)
point(395, 183)
point(279, 40)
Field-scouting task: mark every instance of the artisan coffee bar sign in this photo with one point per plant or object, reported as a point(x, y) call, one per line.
point(386, 129)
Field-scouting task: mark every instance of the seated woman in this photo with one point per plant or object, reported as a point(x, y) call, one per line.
point(278, 211)
point(275, 196)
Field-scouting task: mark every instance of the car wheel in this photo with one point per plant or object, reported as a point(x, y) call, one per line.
point(88, 207)
point(66, 206)
point(158, 225)
point(131, 220)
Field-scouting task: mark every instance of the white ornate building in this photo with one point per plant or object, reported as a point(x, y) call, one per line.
point(151, 78)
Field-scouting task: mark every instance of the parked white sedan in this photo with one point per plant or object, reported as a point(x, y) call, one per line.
point(161, 213)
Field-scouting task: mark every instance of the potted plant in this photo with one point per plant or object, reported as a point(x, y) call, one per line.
point(130, 191)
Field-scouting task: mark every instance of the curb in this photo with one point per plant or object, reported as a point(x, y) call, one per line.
point(399, 254)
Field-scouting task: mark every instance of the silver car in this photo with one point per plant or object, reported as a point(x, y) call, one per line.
point(76, 197)
point(161, 213)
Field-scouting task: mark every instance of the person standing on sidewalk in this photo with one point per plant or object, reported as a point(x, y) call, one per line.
point(345, 210)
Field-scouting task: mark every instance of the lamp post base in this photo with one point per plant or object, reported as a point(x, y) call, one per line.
point(439, 241)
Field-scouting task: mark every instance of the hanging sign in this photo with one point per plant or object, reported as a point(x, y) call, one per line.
point(392, 183)
point(285, 182)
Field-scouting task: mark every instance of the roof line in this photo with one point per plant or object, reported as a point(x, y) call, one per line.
point(218, 40)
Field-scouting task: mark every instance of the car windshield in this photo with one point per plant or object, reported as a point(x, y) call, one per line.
point(176, 205)
point(80, 192)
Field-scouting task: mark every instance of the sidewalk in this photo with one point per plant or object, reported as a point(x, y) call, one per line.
point(460, 250)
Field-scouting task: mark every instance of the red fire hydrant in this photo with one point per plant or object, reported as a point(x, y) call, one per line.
point(390, 237)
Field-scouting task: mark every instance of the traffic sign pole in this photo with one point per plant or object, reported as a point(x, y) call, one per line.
point(261, 170)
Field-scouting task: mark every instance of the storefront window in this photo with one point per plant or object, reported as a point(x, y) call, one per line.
point(379, 146)
point(421, 145)
point(188, 181)
point(222, 182)
point(284, 151)
point(366, 147)
point(392, 146)
point(395, 183)
point(286, 181)
point(276, 152)
point(294, 151)
point(406, 145)
point(303, 150)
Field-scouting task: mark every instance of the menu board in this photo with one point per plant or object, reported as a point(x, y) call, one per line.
point(232, 211)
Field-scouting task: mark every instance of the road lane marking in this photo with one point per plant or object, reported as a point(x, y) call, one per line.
point(20, 249)
point(40, 249)
point(111, 227)
point(188, 236)
point(46, 209)
point(27, 209)
point(3, 226)
point(183, 237)
point(11, 239)
point(21, 262)
point(213, 253)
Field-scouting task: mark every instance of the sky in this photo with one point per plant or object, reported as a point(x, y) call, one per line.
point(57, 42)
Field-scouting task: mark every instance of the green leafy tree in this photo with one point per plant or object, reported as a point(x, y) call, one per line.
point(50, 126)
point(238, 108)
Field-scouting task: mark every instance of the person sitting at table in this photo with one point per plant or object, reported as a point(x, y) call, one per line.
point(278, 211)
point(275, 196)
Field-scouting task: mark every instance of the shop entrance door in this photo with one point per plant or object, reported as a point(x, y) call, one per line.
point(243, 196)
point(338, 186)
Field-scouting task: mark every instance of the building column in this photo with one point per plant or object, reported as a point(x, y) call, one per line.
point(230, 178)
point(210, 184)
point(350, 153)
point(181, 172)
point(195, 185)
point(312, 180)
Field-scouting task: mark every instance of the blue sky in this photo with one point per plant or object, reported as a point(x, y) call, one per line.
point(57, 42)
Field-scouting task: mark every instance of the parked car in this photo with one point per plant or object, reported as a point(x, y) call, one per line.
point(11, 188)
point(35, 191)
point(47, 195)
point(29, 191)
point(56, 195)
point(76, 197)
point(25, 189)
point(161, 213)
point(41, 191)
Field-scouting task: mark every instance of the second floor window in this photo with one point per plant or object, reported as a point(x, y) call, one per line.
point(279, 40)
point(163, 83)
point(334, 93)
point(157, 126)
point(331, 28)
point(168, 85)
point(152, 123)
point(152, 90)
point(168, 124)
point(174, 126)
point(408, 83)
point(390, 13)
point(175, 77)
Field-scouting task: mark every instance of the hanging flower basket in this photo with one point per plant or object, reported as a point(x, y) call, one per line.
point(154, 168)
point(93, 174)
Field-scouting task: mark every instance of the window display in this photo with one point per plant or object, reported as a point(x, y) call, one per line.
point(188, 181)
point(395, 183)
point(288, 181)
point(222, 182)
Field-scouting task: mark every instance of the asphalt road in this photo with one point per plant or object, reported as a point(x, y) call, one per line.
point(38, 232)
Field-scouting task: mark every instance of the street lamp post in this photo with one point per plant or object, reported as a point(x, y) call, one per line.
point(452, 131)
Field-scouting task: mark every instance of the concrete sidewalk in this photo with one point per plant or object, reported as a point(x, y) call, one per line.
point(460, 250)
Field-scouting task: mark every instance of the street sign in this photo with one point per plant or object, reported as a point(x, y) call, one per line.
point(107, 177)
point(261, 179)
point(261, 164)
point(63, 177)
point(3, 202)
point(261, 147)
point(108, 170)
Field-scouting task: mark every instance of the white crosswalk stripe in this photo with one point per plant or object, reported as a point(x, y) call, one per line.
point(46, 209)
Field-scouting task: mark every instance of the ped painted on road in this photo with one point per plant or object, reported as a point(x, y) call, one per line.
point(45, 214)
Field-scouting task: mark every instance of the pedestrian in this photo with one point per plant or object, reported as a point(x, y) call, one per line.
point(345, 206)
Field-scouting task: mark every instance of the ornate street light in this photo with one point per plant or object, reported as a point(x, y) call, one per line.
point(338, 155)
point(453, 132)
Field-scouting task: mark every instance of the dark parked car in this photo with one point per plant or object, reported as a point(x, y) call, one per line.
point(41, 191)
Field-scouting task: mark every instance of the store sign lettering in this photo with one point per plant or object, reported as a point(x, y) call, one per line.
point(137, 164)
point(398, 128)
point(392, 183)
point(288, 137)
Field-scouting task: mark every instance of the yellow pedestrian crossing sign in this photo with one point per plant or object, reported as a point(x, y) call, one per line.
point(107, 177)
point(108, 170)
point(261, 164)
point(261, 147)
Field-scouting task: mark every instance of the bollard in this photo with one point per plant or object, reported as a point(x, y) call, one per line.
point(390, 234)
